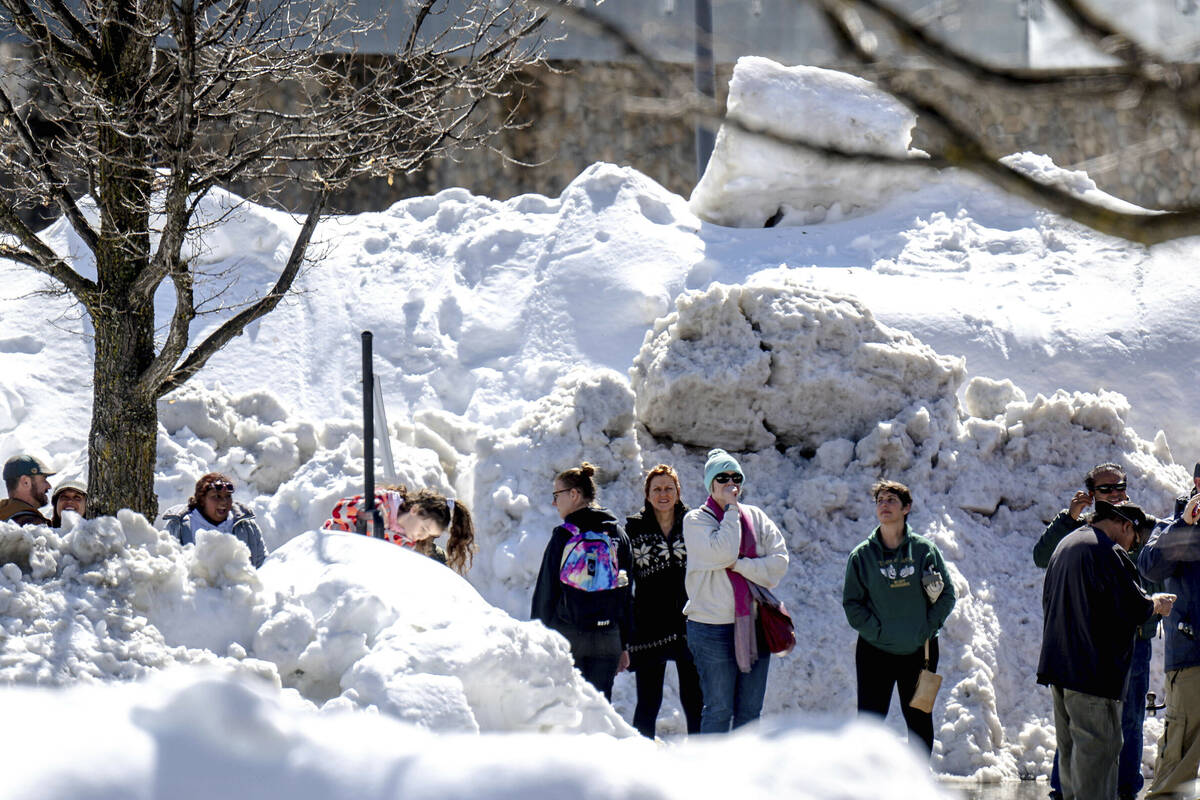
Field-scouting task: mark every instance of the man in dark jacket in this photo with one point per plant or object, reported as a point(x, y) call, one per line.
point(25, 479)
point(1092, 605)
point(1172, 555)
point(1107, 482)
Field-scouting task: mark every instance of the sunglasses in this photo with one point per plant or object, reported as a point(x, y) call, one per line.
point(1109, 488)
point(726, 477)
point(220, 486)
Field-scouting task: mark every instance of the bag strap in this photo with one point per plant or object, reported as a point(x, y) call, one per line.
point(926, 654)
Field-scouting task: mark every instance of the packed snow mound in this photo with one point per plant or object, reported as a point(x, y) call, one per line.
point(348, 621)
point(755, 366)
point(113, 599)
point(193, 735)
point(363, 623)
point(752, 178)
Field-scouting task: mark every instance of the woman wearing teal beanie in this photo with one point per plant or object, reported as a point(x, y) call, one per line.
point(730, 544)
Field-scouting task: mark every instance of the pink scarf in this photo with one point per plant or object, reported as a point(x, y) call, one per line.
point(745, 638)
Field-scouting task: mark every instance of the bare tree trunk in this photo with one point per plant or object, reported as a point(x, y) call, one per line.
point(124, 434)
point(123, 438)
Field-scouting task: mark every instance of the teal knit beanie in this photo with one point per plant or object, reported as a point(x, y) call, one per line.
point(719, 461)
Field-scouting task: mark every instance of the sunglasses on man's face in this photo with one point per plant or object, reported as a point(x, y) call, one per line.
point(726, 477)
point(1109, 488)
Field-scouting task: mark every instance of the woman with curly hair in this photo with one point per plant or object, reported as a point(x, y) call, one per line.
point(212, 507)
point(659, 625)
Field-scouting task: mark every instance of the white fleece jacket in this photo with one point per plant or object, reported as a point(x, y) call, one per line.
point(712, 547)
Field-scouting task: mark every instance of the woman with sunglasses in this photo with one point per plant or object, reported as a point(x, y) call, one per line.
point(729, 545)
point(659, 626)
point(211, 507)
point(582, 589)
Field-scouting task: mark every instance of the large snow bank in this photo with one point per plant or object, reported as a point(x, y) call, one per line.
point(751, 177)
point(195, 736)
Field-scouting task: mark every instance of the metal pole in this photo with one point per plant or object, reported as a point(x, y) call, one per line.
point(368, 374)
point(706, 81)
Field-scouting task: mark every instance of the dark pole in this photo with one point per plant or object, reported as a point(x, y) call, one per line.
point(370, 512)
point(706, 81)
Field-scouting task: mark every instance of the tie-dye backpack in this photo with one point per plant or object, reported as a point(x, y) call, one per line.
point(589, 561)
point(591, 578)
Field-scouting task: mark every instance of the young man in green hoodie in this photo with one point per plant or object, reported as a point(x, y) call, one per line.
point(896, 595)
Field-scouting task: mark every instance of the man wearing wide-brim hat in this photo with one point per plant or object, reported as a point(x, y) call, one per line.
point(26, 480)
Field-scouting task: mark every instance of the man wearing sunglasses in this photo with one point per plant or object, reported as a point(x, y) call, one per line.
point(1172, 555)
point(1092, 605)
point(1106, 483)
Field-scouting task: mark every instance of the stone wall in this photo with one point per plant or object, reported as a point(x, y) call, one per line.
point(1136, 147)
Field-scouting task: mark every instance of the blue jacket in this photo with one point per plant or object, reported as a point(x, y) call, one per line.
point(244, 527)
point(1172, 557)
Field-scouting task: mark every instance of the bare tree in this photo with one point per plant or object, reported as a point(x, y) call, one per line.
point(153, 103)
point(859, 26)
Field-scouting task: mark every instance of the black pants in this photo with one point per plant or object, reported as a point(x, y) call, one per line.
point(650, 676)
point(596, 655)
point(879, 671)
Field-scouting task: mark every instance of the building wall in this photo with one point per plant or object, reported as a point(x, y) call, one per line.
point(1136, 147)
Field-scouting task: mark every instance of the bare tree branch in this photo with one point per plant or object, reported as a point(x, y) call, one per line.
point(236, 324)
point(55, 186)
point(39, 256)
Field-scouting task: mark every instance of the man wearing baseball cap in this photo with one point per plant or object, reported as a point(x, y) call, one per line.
point(25, 478)
point(1092, 604)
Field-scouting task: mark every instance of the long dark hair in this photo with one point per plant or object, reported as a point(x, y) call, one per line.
point(451, 515)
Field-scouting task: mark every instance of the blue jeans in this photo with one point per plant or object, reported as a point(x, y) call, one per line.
point(730, 695)
point(1133, 718)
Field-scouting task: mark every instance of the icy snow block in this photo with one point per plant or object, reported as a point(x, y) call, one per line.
point(780, 364)
point(751, 177)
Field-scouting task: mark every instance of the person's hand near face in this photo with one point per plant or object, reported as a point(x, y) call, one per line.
point(727, 488)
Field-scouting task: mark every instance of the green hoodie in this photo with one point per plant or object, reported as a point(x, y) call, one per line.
point(883, 597)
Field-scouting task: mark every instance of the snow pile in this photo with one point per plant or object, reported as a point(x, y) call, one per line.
point(746, 368)
point(113, 599)
point(751, 177)
point(348, 621)
point(362, 623)
point(198, 735)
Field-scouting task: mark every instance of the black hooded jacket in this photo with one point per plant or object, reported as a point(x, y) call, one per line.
point(567, 609)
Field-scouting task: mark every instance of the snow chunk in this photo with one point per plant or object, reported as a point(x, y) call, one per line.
point(748, 367)
point(750, 178)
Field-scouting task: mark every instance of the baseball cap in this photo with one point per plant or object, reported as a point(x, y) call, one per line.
point(1142, 522)
point(20, 465)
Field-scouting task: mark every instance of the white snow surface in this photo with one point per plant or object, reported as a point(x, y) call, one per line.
point(982, 351)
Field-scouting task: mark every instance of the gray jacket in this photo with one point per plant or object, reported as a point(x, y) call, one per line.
point(244, 528)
